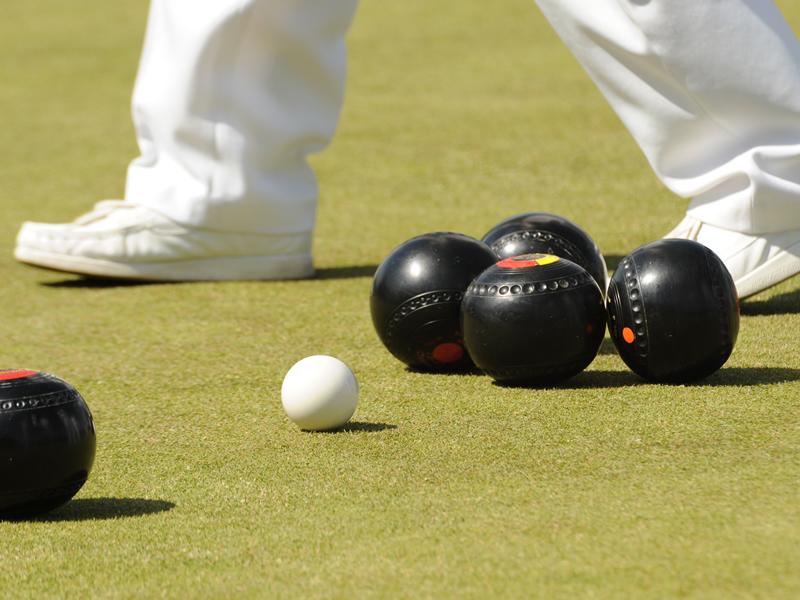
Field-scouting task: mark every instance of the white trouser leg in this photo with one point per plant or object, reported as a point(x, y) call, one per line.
point(231, 98)
point(709, 89)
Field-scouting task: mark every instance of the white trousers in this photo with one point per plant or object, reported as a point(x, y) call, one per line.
point(710, 89)
point(233, 95)
point(231, 98)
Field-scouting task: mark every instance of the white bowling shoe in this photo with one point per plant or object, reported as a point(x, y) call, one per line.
point(756, 262)
point(123, 240)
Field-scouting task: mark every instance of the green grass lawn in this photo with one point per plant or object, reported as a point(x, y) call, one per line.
point(459, 113)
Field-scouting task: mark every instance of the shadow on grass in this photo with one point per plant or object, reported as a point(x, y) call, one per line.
point(473, 370)
point(90, 283)
point(748, 376)
point(360, 427)
point(584, 380)
point(602, 379)
point(787, 303)
point(352, 272)
point(347, 272)
point(727, 376)
point(99, 509)
point(612, 261)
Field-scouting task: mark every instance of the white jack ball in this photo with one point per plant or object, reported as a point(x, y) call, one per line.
point(319, 392)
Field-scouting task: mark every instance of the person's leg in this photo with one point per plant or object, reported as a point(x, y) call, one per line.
point(711, 92)
point(231, 98)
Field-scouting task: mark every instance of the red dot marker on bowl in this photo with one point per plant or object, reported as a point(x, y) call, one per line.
point(448, 353)
point(628, 335)
point(16, 374)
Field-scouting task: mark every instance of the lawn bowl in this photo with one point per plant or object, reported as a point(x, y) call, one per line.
point(47, 443)
point(673, 311)
point(416, 298)
point(534, 319)
point(546, 233)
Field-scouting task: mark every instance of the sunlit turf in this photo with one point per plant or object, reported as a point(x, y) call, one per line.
point(458, 114)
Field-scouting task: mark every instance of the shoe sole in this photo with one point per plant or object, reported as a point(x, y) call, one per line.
point(234, 268)
point(779, 268)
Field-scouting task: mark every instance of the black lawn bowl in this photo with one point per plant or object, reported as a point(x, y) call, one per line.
point(545, 233)
point(47, 443)
point(416, 296)
point(673, 311)
point(533, 320)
